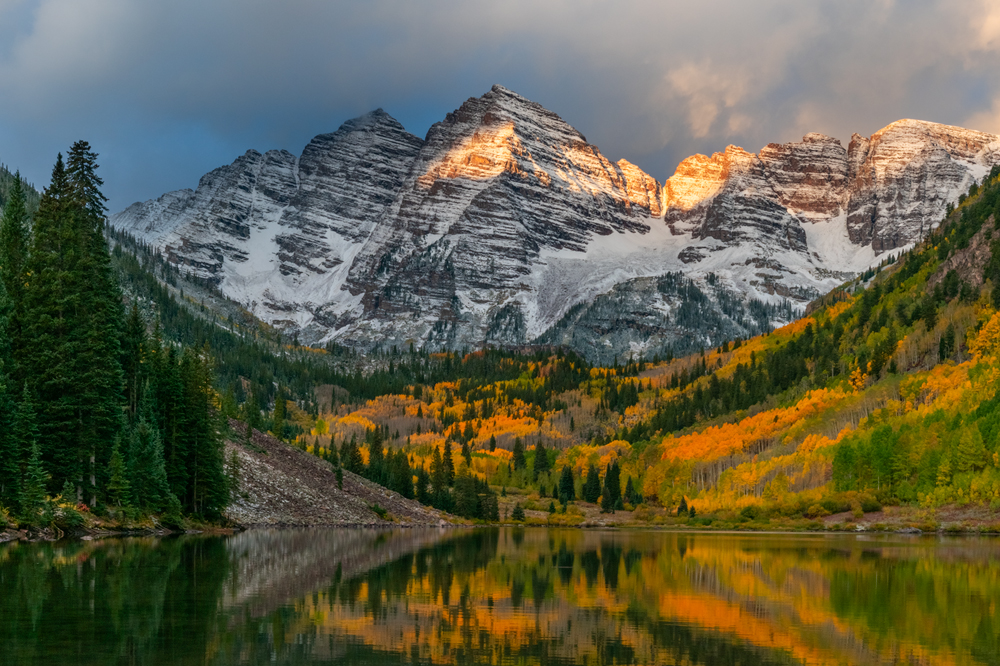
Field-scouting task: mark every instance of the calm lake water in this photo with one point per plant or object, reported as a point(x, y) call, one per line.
point(502, 596)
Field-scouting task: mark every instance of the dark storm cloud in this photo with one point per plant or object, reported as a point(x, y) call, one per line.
point(167, 91)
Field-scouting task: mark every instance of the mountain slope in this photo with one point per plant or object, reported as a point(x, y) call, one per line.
point(504, 219)
point(886, 394)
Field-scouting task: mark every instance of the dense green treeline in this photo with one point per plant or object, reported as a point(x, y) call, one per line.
point(7, 185)
point(93, 411)
point(463, 493)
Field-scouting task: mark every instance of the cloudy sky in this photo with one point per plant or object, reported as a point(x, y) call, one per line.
point(166, 91)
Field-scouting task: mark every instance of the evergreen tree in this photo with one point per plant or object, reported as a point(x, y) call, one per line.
point(13, 261)
point(146, 468)
point(439, 476)
point(592, 485)
point(278, 417)
point(51, 302)
point(402, 476)
point(97, 370)
point(206, 492)
point(490, 507)
point(467, 453)
point(233, 478)
point(134, 348)
point(350, 455)
point(119, 489)
point(423, 493)
point(541, 459)
point(376, 456)
point(567, 492)
point(449, 462)
point(493, 443)
point(519, 462)
point(466, 497)
point(35, 480)
point(10, 454)
point(632, 496)
point(612, 488)
point(23, 441)
point(517, 515)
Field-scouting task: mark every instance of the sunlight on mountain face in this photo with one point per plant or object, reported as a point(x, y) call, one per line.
point(485, 154)
point(697, 179)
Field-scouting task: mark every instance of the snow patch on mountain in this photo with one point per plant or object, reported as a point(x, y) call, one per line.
point(504, 225)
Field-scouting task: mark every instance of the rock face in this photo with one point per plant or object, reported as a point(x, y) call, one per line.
point(505, 226)
point(904, 175)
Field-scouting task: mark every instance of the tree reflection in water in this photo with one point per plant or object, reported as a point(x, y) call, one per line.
point(500, 596)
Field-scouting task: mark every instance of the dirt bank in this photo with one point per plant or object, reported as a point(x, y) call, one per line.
point(280, 485)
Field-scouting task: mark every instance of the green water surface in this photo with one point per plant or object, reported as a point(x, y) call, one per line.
point(501, 596)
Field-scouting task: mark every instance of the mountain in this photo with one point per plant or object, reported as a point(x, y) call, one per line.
point(504, 225)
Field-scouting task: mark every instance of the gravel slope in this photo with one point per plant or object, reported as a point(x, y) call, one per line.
point(283, 486)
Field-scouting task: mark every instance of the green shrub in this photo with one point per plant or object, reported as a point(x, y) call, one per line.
point(817, 511)
point(66, 517)
point(869, 503)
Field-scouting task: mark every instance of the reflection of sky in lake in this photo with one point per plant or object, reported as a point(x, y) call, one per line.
point(502, 596)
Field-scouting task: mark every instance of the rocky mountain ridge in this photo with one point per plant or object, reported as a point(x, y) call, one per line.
point(504, 219)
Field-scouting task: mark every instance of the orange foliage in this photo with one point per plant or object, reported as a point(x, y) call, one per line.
point(580, 457)
point(987, 342)
point(719, 441)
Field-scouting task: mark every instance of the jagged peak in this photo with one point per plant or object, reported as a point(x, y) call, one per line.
point(378, 117)
point(504, 106)
point(928, 126)
point(507, 92)
point(817, 137)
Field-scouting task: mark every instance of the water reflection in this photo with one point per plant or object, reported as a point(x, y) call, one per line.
point(502, 596)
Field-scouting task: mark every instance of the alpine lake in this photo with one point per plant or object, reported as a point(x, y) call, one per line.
point(502, 596)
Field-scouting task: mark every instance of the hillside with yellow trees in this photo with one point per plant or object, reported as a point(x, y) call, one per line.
point(885, 395)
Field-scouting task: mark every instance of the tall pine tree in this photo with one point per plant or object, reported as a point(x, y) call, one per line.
point(13, 263)
point(51, 306)
point(10, 454)
point(100, 321)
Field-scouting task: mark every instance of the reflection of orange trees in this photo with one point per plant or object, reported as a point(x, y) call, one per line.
point(777, 594)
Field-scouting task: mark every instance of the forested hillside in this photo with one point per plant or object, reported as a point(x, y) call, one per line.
point(886, 394)
point(7, 180)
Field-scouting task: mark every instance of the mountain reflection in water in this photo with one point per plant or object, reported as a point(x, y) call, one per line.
point(501, 596)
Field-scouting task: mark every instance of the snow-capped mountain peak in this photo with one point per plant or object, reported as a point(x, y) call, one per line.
point(505, 225)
